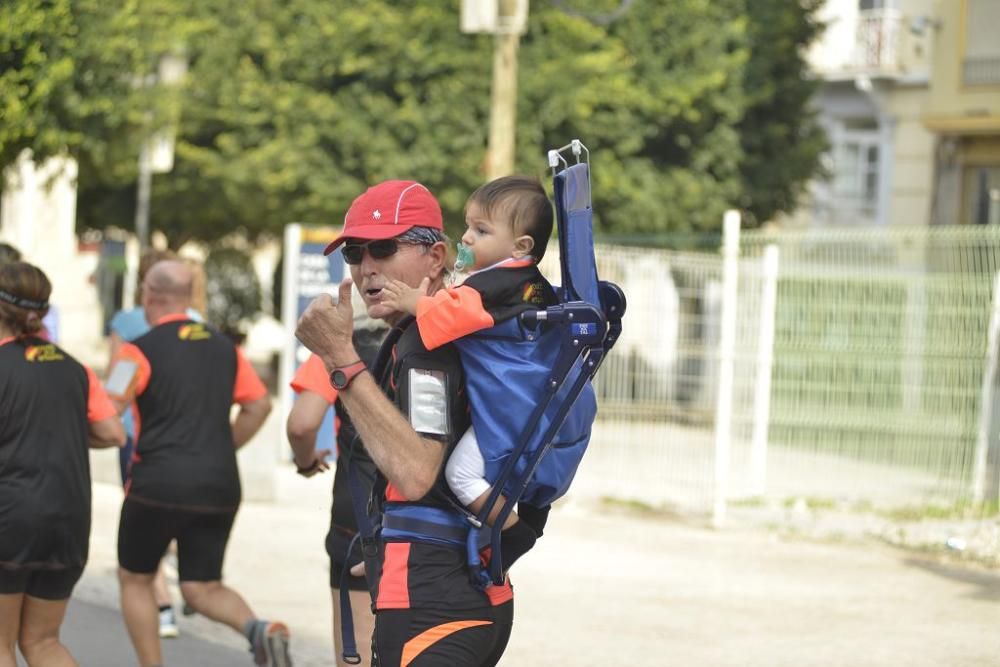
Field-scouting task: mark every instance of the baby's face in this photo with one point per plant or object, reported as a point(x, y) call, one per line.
point(490, 241)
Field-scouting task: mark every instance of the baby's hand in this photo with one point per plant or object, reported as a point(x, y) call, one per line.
point(400, 296)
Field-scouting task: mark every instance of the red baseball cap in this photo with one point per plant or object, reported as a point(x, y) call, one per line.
point(387, 210)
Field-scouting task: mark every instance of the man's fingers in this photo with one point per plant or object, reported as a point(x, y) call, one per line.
point(425, 285)
point(345, 291)
point(358, 570)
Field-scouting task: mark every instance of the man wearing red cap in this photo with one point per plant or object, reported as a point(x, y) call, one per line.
point(427, 611)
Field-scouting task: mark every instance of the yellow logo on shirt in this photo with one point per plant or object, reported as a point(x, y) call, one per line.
point(534, 293)
point(43, 353)
point(193, 332)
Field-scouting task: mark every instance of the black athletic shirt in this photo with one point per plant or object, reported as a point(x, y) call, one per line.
point(189, 376)
point(47, 400)
point(414, 575)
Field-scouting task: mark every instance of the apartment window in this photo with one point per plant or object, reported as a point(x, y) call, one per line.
point(851, 195)
point(981, 65)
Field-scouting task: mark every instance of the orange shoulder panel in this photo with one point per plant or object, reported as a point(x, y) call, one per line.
point(248, 386)
point(312, 376)
point(450, 314)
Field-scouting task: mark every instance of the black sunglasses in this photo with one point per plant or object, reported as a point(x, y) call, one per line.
point(381, 249)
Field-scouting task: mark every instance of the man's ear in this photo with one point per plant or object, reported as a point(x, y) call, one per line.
point(438, 254)
point(523, 245)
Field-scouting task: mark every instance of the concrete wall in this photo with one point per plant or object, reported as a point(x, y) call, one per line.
point(912, 157)
point(38, 217)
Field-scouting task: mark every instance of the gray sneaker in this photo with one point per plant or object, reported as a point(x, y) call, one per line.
point(270, 645)
point(168, 624)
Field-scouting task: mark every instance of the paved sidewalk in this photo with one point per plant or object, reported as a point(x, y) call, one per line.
point(601, 588)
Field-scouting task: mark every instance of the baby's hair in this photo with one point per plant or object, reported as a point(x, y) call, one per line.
point(522, 201)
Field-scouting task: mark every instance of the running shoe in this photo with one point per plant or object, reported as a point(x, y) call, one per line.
point(270, 645)
point(168, 624)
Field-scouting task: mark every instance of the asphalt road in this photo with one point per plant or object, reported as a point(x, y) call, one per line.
point(96, 637)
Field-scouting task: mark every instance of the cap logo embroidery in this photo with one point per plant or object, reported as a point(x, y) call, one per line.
point(377, 214)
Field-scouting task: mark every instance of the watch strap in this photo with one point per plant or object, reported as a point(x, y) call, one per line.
point(341, 376)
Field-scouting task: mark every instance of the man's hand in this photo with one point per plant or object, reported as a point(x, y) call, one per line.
point(326, 327)
point(402, 297)
point(317, 465)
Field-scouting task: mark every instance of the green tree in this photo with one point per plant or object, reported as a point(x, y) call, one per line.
point(781, 139)
point(69, 73)
point(291, 109)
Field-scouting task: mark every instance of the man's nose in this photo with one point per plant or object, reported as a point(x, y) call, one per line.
point(368, 265)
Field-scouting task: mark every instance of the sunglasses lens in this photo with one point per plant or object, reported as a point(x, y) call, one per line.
point(353, 253)
point(382, 249)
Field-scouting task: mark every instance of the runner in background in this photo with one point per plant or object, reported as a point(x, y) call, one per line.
point(50, 322)
point(126, 326)
point(315, 396)
point(51, 407)
point(184, 377)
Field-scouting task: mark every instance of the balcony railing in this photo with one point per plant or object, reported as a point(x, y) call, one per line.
point(877, 44)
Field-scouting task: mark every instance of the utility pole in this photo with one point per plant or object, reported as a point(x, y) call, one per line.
point(145, 185)
point(503, 100)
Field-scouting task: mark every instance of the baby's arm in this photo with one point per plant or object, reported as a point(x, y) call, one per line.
point(400, 296)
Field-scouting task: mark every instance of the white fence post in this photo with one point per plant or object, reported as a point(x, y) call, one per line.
point(727, 354)
point(762, 383)
point(986, 398)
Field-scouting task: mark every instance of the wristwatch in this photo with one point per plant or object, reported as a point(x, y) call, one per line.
point(341, 376)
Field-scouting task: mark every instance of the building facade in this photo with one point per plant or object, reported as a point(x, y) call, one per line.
point(963, 112)
point(874, 62)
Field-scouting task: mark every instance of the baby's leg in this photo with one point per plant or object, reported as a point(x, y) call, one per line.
point(465, 472)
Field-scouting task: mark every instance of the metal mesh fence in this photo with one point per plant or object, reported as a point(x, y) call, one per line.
point(656, 390)
point(872, 369)
point(879, 351)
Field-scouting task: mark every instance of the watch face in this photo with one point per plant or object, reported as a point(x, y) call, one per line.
point(338, 379)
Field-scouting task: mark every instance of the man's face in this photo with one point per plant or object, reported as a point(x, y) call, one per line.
point(410, 263)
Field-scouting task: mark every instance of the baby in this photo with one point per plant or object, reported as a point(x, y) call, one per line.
point(509, 221)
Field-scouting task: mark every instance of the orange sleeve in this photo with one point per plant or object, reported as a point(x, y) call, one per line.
point(130, 352)
point(450, 314)
point(312, 376)
point(248, 386)
point(99, 406)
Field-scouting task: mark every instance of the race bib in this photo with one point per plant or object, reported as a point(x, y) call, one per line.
point(428, 409)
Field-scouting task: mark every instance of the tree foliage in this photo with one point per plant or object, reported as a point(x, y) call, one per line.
point(71, 73)
point(291, 109)
point(780, 137)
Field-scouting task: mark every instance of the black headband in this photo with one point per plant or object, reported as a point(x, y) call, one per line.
point(27, 304)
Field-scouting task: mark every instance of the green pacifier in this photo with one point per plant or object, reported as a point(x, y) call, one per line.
point(464, 258)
